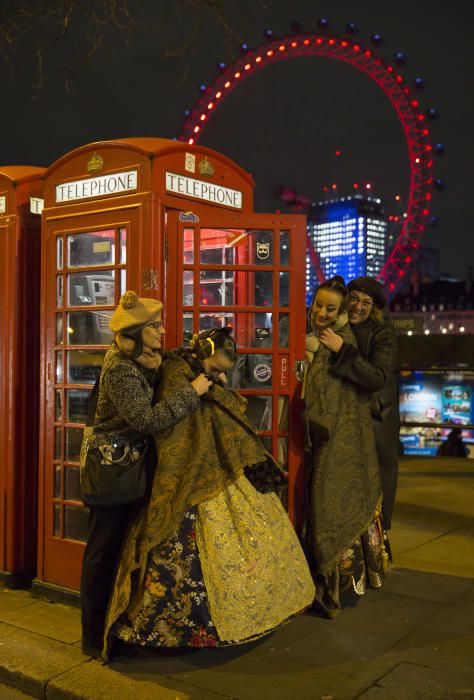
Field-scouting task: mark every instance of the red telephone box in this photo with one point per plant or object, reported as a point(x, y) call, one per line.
point(175, 222)
point(21, 190)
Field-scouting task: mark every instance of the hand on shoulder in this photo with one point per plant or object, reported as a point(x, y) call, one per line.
point(149, 359)
point(332, 341)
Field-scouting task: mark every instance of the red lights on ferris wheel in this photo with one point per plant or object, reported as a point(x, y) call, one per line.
point(387, 78)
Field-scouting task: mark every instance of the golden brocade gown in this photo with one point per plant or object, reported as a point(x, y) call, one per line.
point(234, 572)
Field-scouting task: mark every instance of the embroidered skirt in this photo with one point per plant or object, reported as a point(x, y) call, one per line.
point(233, 572)
point(361, 566)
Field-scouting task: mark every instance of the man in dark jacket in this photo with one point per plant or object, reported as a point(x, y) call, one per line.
point(373, 367)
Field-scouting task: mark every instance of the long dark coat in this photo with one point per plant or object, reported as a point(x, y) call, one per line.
point(374, 367)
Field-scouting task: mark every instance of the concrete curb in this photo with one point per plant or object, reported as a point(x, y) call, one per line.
point(29, 661)
point(50, 670)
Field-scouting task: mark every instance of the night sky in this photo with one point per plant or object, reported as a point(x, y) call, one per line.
point(285, 123)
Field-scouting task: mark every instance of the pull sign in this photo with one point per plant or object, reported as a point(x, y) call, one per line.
point(36, 205)
point(283, 361)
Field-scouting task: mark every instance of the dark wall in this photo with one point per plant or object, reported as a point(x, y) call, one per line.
point(437, 351)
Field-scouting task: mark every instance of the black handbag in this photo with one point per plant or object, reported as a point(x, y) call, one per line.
point(113, 473)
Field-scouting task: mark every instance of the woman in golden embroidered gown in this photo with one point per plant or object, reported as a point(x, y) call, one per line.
point(343, 531)
point(212, 559)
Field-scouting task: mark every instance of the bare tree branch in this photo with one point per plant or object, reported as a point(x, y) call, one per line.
point(77, 30)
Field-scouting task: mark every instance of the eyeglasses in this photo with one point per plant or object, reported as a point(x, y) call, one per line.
point(365, 303)
point(157, 325)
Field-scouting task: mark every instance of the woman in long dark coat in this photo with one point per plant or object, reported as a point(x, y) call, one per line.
point(373, 366)
point(343, 531)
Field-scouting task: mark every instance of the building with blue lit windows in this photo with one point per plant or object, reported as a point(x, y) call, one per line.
point(349, 235)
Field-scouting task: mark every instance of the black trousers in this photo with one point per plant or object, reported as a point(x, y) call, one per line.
point(107, 527)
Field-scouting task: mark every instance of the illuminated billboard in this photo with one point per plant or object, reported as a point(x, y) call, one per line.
point(431, 404)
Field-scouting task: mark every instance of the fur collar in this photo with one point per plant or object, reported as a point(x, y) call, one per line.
point(312, 339)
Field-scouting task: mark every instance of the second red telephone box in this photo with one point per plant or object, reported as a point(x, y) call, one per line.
point(21, 191)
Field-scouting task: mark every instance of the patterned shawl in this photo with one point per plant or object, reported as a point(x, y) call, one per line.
point(197, 459)
point(345, 485)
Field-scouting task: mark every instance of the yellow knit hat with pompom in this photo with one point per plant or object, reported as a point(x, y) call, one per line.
point(134, 311)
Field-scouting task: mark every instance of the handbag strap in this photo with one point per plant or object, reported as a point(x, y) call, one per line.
point(94, 397)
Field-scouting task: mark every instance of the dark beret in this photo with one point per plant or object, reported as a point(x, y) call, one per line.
point(371, 287)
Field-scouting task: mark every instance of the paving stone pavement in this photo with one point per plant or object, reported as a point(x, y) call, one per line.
point(414, 639)
point(9, 693)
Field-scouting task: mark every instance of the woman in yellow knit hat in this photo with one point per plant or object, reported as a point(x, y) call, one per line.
point(124, 410)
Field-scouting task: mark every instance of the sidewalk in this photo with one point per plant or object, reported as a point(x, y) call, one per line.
point(414, 639)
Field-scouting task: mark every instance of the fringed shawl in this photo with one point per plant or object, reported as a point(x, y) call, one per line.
point(345, 486)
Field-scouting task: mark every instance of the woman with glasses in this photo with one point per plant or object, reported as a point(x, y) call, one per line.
point(212, 559)
point(373, 366)
point(125, 410)
point(342, 533)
